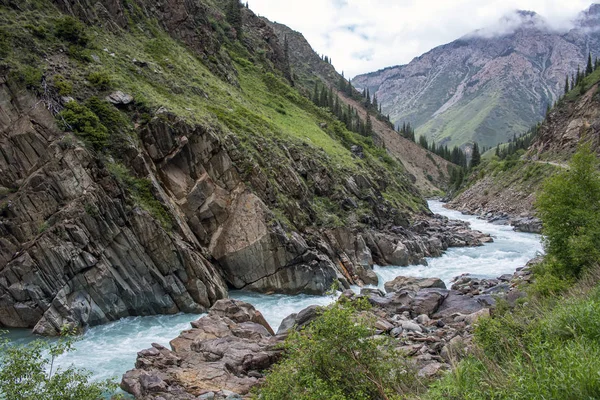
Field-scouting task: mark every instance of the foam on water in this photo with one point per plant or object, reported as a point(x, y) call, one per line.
point(110, 350)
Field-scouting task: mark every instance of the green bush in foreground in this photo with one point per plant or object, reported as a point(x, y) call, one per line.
point(338, 358)
point(569, 206)
point(27, 373)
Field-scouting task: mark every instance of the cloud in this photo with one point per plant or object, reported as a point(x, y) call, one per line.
point(366, 35)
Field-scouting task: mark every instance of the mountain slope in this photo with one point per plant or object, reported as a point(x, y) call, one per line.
point(152, 156)
point(509, 187)
point(485, 87)
point(429, 172)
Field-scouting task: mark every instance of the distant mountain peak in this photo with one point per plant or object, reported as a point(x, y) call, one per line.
point(511, 22)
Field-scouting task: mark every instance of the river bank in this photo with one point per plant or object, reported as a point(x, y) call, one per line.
point(110, 350)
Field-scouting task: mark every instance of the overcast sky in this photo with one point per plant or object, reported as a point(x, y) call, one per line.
point(366, 35)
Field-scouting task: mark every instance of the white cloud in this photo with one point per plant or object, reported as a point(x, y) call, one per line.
point(366, 35)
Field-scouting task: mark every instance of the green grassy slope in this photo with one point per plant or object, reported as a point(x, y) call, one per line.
point(257, 106)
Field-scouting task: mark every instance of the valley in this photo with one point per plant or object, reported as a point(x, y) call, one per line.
point(195, 204)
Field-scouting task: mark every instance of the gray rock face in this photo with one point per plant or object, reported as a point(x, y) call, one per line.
point(74, 251)
point(412, 283)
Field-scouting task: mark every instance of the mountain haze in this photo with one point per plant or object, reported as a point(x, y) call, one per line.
point(489, 85)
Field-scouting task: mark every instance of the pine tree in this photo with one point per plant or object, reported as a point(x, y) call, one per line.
point(368, 126)
point(476, 156)
point(590, 67)
point(234, 16)
point(567, 84)
point(315, 98)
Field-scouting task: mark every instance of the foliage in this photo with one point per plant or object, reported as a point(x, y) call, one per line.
point(62, 85)
point(141, 191)
point(100, 80)
point(27, 372)
point(547, 350)
point(72, 30)
point(29, 76)
point(569, 206)
point(84, 123)
point(336, 357)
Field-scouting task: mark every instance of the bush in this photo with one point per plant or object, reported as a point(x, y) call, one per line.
point(29, 76)
point(62, 85)
point(336, 357)
point(141, 191)
point(84, 123)
point(26, 372)
point(71, 30)
point(569, 206)
point(100, 80)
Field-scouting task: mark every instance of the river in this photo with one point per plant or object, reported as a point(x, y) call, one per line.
point(110, 350)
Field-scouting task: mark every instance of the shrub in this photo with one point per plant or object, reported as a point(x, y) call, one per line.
point(84, 123)
point(29, 76)
point(336, 357)
point(62, 85)
point(100, 80)
point(26, 372)
point(141, 191)
point(569, 206)
point(71, 30)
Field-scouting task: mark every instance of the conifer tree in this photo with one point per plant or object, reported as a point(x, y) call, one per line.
point(567, 84)
point(590, 67)
point(476, 156)
point(234, 16)
point(368, 126)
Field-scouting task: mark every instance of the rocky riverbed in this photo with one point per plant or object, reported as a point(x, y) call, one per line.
point(226, 353)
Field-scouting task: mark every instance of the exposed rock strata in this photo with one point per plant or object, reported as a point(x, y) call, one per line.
point(76, 249)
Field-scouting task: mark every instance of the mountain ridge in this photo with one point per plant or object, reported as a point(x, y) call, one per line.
point(482, 89)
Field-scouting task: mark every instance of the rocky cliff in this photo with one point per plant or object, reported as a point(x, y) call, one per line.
point(486, 86)
point(152, 157)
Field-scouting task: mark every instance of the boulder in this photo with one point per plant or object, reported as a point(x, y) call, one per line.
point(427, 301)
point(224, 353)
point(119, 98)
point(299, 320)
point(412, 283)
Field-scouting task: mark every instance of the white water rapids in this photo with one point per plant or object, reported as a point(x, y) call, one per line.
point(110, 350)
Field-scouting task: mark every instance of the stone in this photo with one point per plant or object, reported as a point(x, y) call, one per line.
point(383, 325)
point(429, 370)
point(299, 320)
point(396, 332)
point(221, 354)
point(412, 283)
point(427, 301)
point(119, 98)
point(411, 327)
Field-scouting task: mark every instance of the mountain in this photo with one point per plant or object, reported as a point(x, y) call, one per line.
point(489, 85)
point(428, 171)
point(156, 153)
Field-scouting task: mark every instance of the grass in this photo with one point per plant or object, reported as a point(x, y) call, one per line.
point(548, 348)
point(260, 109)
